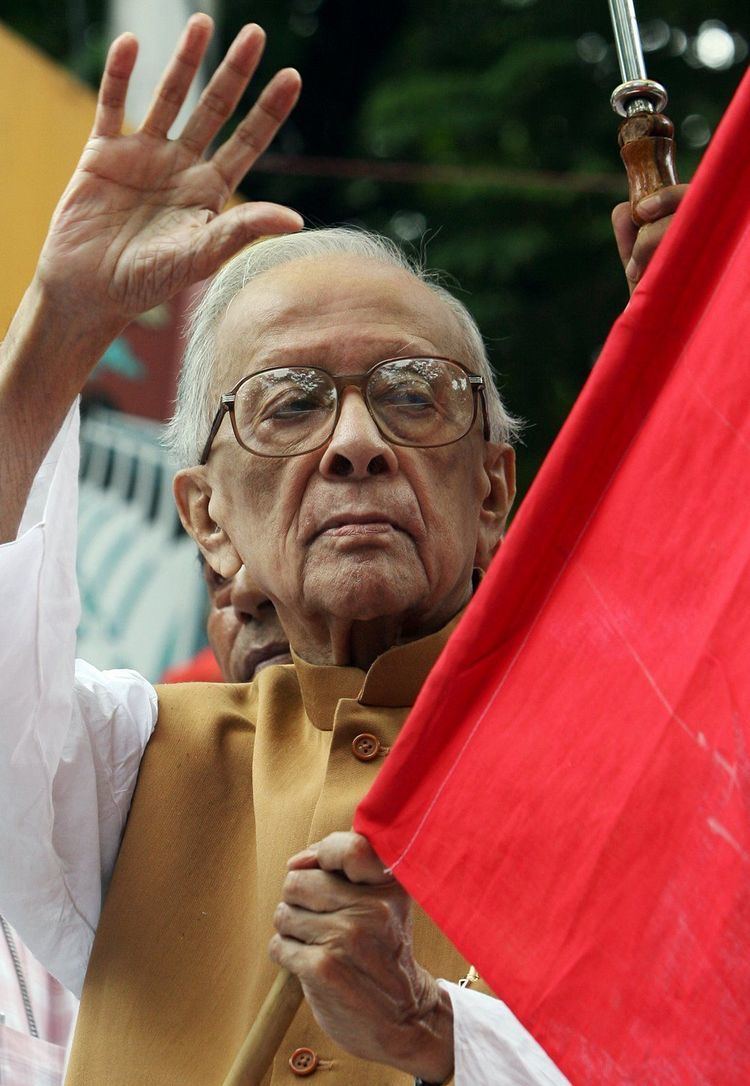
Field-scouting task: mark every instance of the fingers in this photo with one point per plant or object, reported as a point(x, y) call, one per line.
point(301, 924)
point(662, 203)
point(366, 941)
point(342, 942)
point(113, 89)
point(350, 853)
point(637, 246)
point(319, 891)
point(299, 958)
point(251, 137)
point(233, 229)
point(625, 231)
point(648, 241)
point(313, 928)
point(219, 100)
point(658, 209)
point(357, 927)
point(178, 76)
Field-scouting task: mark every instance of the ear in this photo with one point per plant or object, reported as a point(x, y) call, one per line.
point(192, 494)
point(500, 472)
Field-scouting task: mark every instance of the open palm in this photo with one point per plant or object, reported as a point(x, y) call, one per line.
point(141, 217)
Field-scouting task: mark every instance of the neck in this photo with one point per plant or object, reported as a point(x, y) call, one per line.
point(350, 642)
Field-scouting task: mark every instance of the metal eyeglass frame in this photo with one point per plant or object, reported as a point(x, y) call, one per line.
point(341, 382)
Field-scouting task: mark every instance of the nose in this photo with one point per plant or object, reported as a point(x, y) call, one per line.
point(247, 599)
point(357, 448)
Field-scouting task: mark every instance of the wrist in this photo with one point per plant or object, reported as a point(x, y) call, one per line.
point(432, 1056)
point(68, 320)
point(44, 362)
point(49, 352)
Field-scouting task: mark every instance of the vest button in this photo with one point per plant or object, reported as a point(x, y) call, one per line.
point(303, 1061)
point(366, 747)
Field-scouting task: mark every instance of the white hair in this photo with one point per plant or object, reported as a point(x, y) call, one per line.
point(194, 409)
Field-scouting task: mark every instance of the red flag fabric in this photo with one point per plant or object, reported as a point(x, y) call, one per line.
point(570, 798)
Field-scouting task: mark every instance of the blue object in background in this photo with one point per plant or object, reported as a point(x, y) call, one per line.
point(120, 358)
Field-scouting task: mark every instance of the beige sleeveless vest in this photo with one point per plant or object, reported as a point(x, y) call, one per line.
point(235, 780)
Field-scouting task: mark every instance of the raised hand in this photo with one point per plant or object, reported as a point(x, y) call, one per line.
point(141, 217)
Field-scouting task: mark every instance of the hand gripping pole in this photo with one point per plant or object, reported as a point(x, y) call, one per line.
point(646, 135)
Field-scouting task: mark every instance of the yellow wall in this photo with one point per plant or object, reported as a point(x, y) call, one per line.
point(45, 118)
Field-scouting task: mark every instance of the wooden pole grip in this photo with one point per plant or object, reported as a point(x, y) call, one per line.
point(647, 149)
point(267, 1032)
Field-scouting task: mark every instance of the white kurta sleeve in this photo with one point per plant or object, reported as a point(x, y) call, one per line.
point(492, 1048)
point(71, 737)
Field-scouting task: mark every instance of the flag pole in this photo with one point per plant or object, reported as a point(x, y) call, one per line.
point(646, 136)
point(267, 1031)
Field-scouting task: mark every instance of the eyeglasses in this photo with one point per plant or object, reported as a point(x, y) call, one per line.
point(290, 410)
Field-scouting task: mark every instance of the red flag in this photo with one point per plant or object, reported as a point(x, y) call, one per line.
point(570, 798)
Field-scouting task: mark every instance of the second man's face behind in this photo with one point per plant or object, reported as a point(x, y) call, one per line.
point(243, 628)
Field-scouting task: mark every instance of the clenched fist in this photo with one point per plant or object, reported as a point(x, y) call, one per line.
point(343, 927)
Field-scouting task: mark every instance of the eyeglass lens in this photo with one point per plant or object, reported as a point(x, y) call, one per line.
point(414, 401)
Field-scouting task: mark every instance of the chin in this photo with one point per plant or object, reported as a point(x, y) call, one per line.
point(366, 591)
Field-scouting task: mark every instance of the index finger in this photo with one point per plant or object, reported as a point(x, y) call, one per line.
point(113, 89)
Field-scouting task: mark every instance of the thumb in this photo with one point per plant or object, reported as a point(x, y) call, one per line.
point(232, 230)
point(349, 853)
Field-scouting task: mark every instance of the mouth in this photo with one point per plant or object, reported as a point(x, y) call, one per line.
point(357, 524)
point(269, 661)
point(255, 661)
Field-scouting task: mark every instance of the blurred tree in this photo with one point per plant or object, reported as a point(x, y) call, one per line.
point(490, 86)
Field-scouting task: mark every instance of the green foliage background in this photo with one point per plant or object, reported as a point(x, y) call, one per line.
point(491, 86)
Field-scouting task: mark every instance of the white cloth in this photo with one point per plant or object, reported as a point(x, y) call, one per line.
point(71, 738)
point(491, 1046)
point(71, 742)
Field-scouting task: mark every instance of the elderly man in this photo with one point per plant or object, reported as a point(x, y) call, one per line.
point(342, 440)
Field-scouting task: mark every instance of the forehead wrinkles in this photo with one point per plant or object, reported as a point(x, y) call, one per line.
point(336, 305)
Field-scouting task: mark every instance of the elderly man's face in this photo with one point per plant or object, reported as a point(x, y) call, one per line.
point(359, 531)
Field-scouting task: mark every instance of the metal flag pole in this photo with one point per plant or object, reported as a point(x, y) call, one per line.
point(646, 135)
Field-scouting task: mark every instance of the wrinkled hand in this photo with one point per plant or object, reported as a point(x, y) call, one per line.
point(637, 247)
point(344, 929)
point(140, 218)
